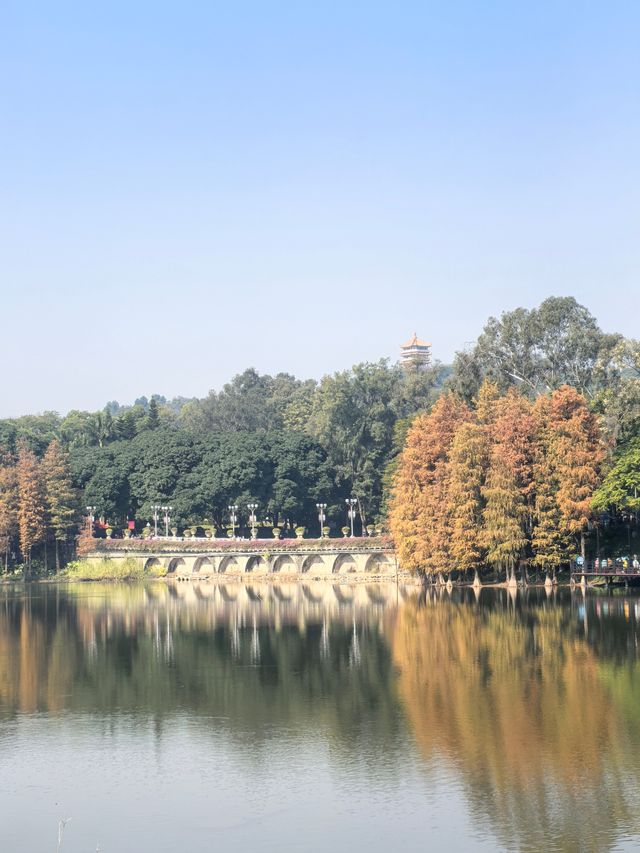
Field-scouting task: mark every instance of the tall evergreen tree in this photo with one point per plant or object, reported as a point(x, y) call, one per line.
point(60, 496)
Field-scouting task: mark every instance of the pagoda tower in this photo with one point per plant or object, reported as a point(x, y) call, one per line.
point(415, 354)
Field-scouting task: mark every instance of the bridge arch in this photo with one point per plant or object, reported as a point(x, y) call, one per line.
point(229, 566)
point(153, 564)
point(344, 564)
point(204, 566)
point(285, 564)
point(176, 564)
point(380, 564)
point(257, 564)
point(315, 564)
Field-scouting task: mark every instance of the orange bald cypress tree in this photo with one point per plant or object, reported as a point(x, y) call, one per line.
point(31, 502)
point(419, 516)
point(467, 465)
point(504, 515)
point(8, 509)
point(579, 451)
point(551, 543)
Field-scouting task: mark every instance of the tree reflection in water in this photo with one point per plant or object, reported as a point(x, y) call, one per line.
point(532, 699)
point(538, 721)
point(251, 659)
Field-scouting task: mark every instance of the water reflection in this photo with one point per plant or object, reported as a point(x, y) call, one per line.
point(250, 656)
point(534, 698)
point(529, 701)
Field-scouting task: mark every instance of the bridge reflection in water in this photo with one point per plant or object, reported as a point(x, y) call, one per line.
point(515, 711)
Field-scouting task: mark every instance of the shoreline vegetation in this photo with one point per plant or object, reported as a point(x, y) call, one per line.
point(517, 458)
point(131, 570)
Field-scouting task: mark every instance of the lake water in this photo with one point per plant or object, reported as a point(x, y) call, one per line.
point(311, 718)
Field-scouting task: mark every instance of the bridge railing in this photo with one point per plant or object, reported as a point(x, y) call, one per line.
point(618, 566)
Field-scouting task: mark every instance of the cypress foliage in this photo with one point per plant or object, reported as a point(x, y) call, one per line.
point(8, 510)
point(503, 516)
point(60, 496)
point(551, 543)
point(579, 453)
point(419, 512)
point(31, 502)
point(467, 466)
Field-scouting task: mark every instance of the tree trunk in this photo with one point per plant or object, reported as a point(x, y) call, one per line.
point(46, 558)
point(582, 545)
point(57, 556)
point(363, 517)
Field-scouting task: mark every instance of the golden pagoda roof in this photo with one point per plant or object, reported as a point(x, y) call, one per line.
point(414, 342)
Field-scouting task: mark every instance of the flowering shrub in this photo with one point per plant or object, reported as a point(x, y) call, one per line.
point(210, 546)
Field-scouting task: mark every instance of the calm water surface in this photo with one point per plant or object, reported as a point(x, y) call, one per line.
point(314, 718)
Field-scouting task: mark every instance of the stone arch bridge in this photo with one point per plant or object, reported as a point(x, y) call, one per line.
point(318, 560)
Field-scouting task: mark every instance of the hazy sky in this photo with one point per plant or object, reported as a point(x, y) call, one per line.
point(191, 188)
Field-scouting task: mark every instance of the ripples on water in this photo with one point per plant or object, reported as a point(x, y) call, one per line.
point(315, 717)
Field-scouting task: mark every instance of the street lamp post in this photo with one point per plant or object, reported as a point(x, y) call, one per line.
point(91, 517)
point(351, 511)
point(156, 514)
point(252, 509)
point(233, 518)
point(167, 518)
point(321, 517)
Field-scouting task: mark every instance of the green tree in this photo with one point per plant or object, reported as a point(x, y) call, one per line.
point(555, 344)
point(620, 490)
point(353, 418)
point(60, 496)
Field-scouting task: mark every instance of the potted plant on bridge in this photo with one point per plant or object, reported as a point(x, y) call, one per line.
point(300, 531)
point(276, 532)
point(345, 531)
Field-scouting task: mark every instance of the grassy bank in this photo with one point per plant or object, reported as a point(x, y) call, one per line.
point(109, 570)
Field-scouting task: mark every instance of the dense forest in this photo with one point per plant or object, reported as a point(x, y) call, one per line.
point(286, 443)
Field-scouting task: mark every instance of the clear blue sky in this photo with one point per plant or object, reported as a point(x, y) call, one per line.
point(191, 188)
